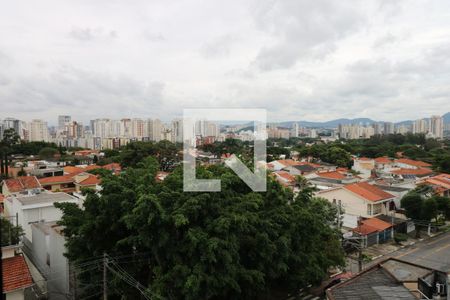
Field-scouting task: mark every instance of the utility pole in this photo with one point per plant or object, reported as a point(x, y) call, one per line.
point(339, 214)
point(360, 247)
point(105, 286)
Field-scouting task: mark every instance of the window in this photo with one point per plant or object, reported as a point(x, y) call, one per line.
point(369, 209)
point(376, 209)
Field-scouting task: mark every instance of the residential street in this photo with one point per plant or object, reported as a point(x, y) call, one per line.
point(432, 252)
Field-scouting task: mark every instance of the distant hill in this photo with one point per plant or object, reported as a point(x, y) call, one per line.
point(335, 123)
point(446, 118)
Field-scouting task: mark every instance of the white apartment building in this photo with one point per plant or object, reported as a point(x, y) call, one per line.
point(437, 126)
point(420, 126)
point(38, 131)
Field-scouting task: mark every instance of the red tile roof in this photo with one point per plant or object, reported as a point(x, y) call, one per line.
point(91, 180)
point(418, 172)
point(331, 175)
point(415, 163)
point(285, 175)
point(378, 224)
point(22, 183)
point(365, 158)
point(73, 170)
point(372, 225)
point(16, 274)
point(383, 160)
point(56, 179)
point(364, 229)
point(442, 180)
point(368, 191)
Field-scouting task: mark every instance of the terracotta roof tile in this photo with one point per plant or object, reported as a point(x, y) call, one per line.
point(91, 180)
point(56, 179)
point(16, 274)
point(383, 160)
point(285, 175)
point(364, 229)
point(418, 172)
point(368, 191)
point(378, 224)
point(73, 170)
point(22, 183)
point(331, 175)
point(411, 162)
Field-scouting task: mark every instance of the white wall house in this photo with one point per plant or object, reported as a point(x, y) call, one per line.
point(359, 200)
point(35, 208)
point(48, 254)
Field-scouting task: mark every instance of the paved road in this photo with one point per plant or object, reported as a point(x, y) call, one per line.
point(433, 253)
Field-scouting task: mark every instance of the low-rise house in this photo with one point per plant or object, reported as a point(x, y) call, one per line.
point(277, 165)
point(374, 231)
point(64, 183)
point(406, 163)
point(20, 185)
point(360, 200)
point(392, 279)
point(284, 178)
point(72, 183)
point(363, 166)
point(440, 184)
point(324, 180)
point(17, 280)
point(35, 208)
point(384, 163)
point(86, 180)
point(410, 173)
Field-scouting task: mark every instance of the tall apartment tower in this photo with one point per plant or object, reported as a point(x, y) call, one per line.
point(420, 126)
point(63, 121)
point(38, 131)
point(437, 126)
point(154, 129)
point(389, 128)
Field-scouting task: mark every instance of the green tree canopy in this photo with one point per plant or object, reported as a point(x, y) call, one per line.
point(233, 244)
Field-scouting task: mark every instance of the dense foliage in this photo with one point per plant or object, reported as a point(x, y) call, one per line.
point(234, 244)
point(10, 233)
point(420, 205)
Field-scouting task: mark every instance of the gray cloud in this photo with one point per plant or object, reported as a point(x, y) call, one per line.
point(218, 47)
point(314, 60)
point(90, 34)
point(304, 29)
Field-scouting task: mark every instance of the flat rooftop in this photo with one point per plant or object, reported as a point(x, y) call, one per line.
point(45, 197)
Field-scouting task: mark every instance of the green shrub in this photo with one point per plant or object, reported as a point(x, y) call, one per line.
point(400, 237)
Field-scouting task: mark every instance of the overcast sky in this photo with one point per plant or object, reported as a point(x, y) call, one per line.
point(301, 59)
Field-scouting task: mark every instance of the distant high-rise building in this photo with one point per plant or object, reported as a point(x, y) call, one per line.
point(420, 126)
point(294, 131)
point(437, 126)
point(63, 121)
point(38, 131)
point(154, 127)
point(137, 128)
point(388, 128)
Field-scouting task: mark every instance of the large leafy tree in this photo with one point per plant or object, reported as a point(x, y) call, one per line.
point(11, 234)
point(233, 244)
point(10, 138)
